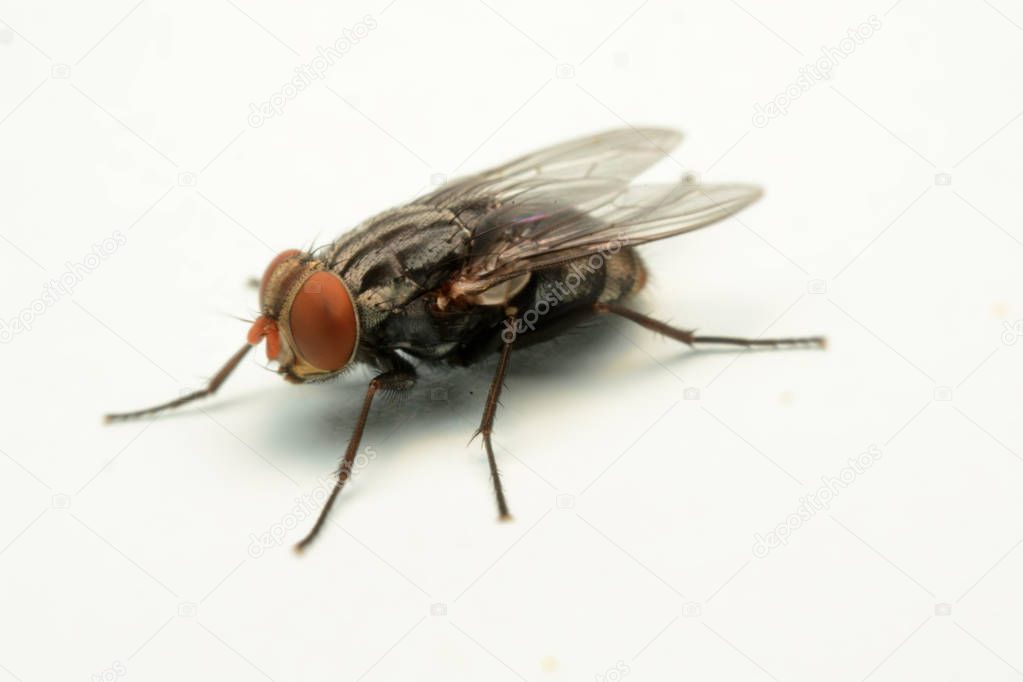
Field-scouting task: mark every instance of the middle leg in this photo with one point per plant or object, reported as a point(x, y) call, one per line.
point(400, 378)
point(487, 426)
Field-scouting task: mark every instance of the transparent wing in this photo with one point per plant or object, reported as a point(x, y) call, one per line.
point(588, 167)
point(539, 230)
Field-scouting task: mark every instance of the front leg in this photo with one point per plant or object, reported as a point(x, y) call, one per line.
point(400, 377)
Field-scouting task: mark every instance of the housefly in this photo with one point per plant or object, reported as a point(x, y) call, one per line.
point(482, 266)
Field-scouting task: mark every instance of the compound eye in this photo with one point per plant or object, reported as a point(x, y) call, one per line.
point(323, 323)
point(268, 273)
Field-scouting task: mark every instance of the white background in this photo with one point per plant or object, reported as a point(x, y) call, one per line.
point(126, 551)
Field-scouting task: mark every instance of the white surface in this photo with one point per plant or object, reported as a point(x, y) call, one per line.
point(124, 551)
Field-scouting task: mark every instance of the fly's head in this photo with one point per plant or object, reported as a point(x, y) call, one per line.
point(308, 318)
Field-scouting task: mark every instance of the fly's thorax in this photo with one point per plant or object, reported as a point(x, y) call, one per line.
point(308, 318)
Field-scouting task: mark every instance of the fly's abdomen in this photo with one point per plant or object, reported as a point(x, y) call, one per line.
point(626, 276)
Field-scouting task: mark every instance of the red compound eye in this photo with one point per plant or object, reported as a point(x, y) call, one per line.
point(323, 322)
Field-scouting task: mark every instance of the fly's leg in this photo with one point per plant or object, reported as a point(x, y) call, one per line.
point(689, 337)
point(211, 388)
point(399, 379)
point(487, 427)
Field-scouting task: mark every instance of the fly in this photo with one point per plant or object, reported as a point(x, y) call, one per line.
point(484, 265)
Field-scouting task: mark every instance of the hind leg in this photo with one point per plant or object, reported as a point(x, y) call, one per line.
point(689, 337)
